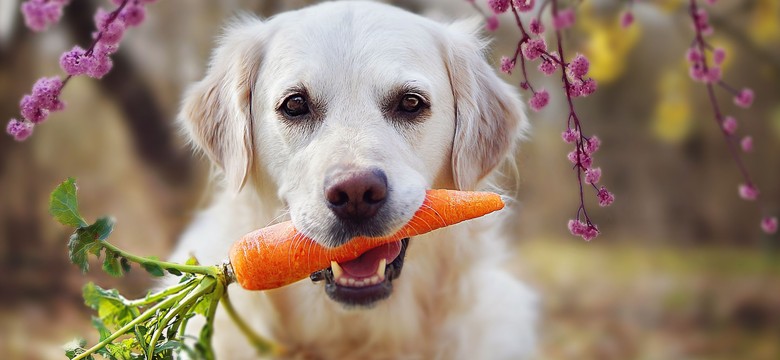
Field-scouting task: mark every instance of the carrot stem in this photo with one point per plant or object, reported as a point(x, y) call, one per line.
point(264, 346)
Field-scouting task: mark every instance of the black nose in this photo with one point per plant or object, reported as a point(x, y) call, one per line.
point(355, 195)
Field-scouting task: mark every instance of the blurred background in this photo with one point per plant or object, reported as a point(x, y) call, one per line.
point(681, 271)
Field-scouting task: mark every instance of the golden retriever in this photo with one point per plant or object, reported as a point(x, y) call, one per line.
point(340, 116)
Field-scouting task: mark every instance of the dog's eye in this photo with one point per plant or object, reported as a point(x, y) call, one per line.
point(295, 105)
point(411, 103)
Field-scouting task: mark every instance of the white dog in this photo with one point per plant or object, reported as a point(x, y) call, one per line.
point(342, 115)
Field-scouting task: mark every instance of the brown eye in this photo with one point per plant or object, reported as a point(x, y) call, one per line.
point(295, 105)
point(411, 103)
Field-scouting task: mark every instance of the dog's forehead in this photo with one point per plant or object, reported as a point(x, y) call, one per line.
point(353, 40)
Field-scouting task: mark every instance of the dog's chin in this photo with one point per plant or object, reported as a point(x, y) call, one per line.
point(355, 284)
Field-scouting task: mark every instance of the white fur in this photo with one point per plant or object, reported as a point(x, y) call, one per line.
point(453, 300)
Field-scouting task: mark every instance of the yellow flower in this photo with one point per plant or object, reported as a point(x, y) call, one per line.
point(607, 45)
point(764, 25)
point(672, 120)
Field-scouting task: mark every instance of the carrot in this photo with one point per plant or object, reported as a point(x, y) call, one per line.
point(279, 255)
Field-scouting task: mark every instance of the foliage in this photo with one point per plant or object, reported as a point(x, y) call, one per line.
point(148, 328)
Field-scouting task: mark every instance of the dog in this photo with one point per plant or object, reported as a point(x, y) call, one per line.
point(340, 116)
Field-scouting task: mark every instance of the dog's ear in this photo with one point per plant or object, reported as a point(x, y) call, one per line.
point(217, 111)
point(490, 116)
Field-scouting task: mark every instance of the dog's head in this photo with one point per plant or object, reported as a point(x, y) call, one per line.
point(353, 110)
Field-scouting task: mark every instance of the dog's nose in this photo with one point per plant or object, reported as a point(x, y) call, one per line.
point(356, 195)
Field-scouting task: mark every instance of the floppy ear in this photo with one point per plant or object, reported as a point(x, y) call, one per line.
point(490, 116)
point(217, 111)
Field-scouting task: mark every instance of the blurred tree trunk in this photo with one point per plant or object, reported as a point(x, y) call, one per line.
point(150, 128)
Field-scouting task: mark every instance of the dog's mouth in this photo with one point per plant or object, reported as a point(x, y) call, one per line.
point(367, 279)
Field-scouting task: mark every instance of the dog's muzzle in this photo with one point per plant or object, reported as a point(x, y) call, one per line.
point(367, 279)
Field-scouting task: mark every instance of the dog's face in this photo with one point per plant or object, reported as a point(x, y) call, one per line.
point(352, 110)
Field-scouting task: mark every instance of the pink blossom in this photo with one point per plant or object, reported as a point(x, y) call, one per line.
point(578, 228)
point(103, 49)
point(588, 87)
point(539, 100)
point(606, 198)
point(498, 6)
point(102, 18)
point(579, 66)
point(718, 55)
point(592, 145)
point(20, 130)
point(491, 24)
point(46, 92)
point(574, 89)
point(748, 192)
point(548, 67)
point(592, 176)
point(769, 224)
point(564, 19)
point(134, 14)
point(745, 98)
point(570, 135)
point(523, 5)
point(626, 19)
point(534, 48)
point(696, 72)
point(694, 55)
point(729, 125)
point(747, 144)
point(113, 33)
point(536, 26)
point(713, 75)
point(75, 62)
point(585, 161)
point(39, 14)
point(101, 66)
point(701, 20)
point(507, 65)
point(32, 110)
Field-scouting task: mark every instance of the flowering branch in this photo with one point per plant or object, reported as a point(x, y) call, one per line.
point(710, 75)
point(575, 83)
point(94, 62)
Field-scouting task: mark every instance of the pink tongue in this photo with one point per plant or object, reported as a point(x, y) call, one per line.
point(366, 264)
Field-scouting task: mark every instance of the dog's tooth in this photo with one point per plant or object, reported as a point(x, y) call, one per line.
point(359, 283)
point(342, 281)
point(375, 279)
point(380, 270)
point(351, 281)
point(337, 271)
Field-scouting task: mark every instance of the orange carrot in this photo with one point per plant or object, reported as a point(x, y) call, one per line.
point(279, 255)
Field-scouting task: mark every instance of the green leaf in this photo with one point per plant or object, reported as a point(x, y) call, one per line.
point(102, 227)
point(112, 308)
point(122, 350)
point(203, 346)
point(141, 334)
point(86, 240)
point(168, 345)
point(64, 206)
point(174, 272)
point(152, 268)
point(75, 348)
point(191, 261)
point(111, 264)
point(202, 306)
point(101, 328)
point(125, 265)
